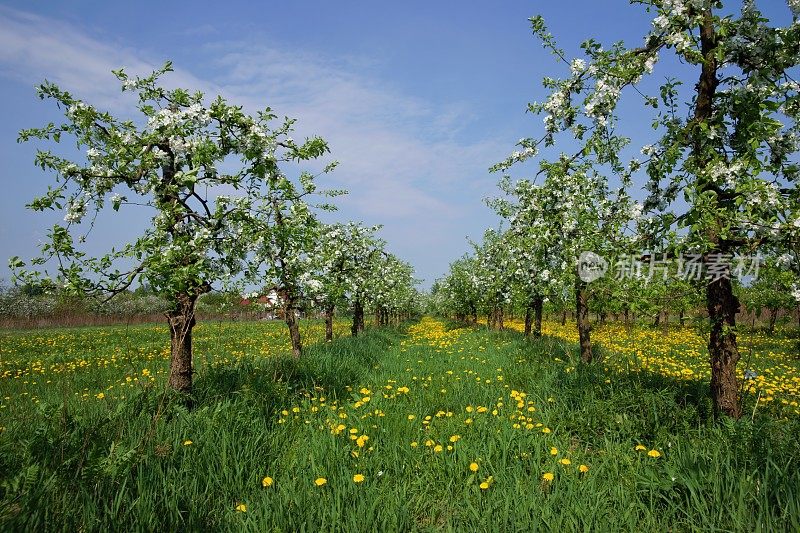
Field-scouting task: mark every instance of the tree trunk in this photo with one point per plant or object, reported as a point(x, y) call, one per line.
point(657, 320)
point(329, 323)
point(181, 322)
point(564, 318)
point(724, 354)
point(358, 318)
point(528, 321)
point(682, 317)
point(538, 305)
point(773, 317)
point(294, 330)
point(582, 319)
point(500, 325)
point(474, 315)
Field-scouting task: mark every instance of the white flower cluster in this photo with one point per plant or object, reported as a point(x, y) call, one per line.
point(159, 154)
point(794, 6)
point(721, 172)
point(577, 66)
point(181, 146)
point(784, 261)
point(605, 95)
point(650, 63)
point(648, 150)
point(522, 155)
point(74, 109)
point(167, 118)
point(680, 40)
point(76, 210)
point(201, 236)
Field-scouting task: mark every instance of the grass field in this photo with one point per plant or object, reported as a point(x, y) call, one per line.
point(428, 427)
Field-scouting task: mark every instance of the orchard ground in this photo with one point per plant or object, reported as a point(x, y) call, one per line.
point(429, 426)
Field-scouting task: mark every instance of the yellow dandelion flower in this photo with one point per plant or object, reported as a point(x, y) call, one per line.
point(583, 469)
point(473, 467)
point(438, 448)
point(553, 451)
point(548, 476)
point(320, 481)
point(358, 478)
point(565, 461)
point(187, 442)
point(640, 448)
point(267, 482)
point(654, 453)
point(241, 508)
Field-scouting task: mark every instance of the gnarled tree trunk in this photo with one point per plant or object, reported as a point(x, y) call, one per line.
point(290, 317)
point(329, 323)
point(773, 317)
point(724, 354)
point(358, 318)
point(181, 322)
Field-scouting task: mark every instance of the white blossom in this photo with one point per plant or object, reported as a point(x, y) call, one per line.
point(794, 6)
point(577, 66)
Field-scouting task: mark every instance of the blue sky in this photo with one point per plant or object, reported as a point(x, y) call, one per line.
point(417, 99)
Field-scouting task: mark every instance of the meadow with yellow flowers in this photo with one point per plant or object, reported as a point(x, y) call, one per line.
point(431, 426)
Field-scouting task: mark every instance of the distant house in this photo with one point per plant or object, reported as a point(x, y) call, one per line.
point(267, 306)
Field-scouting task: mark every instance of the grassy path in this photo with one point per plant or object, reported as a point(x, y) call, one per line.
point(428, 429)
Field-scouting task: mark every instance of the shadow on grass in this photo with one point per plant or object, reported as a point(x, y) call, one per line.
point(329, 367)
point(596, 401)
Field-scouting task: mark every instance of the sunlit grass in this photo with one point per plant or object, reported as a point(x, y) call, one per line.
point(434, 427)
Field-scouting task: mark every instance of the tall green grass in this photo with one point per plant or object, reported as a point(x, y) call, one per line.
point(83, 463)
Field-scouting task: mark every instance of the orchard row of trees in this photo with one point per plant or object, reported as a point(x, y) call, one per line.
point(721, 178)
point(225, 214)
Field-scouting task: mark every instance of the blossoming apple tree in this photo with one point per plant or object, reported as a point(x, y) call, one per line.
point(341, 268)
point(727, 153)
point(170, 164)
